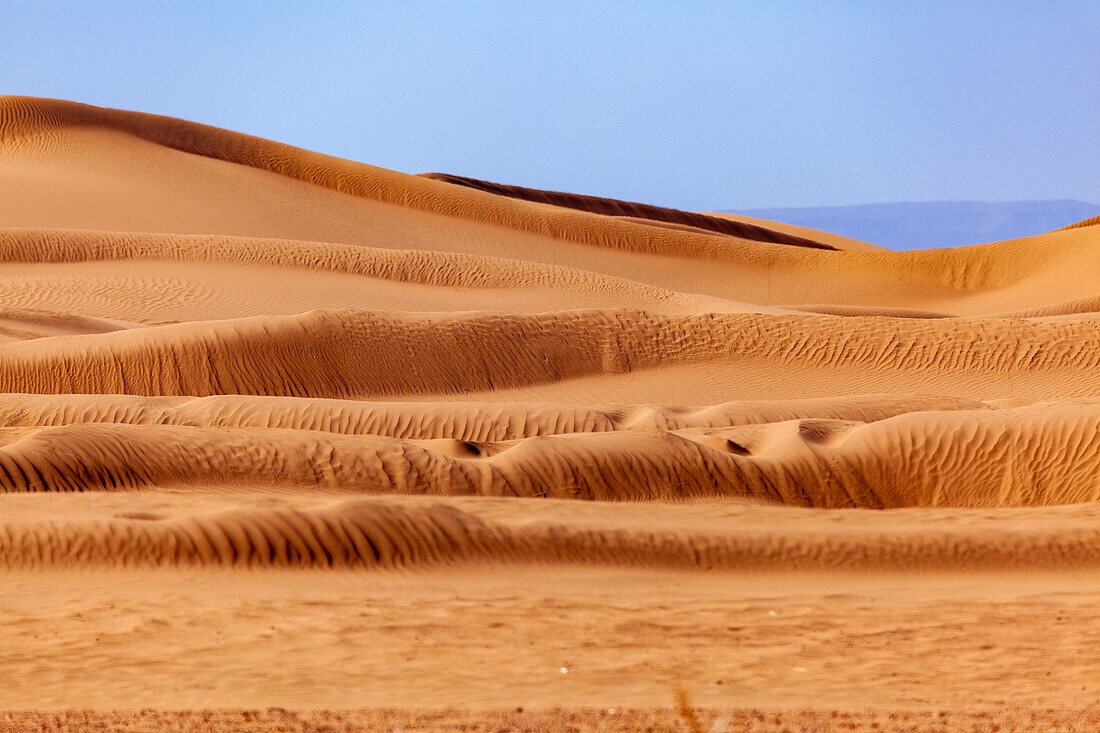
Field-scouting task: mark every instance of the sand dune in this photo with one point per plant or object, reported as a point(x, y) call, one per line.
point(389, 534)
point(369, 354)
point(220, 353)
point(991, 457)
point(458, 420)
point(68, 166)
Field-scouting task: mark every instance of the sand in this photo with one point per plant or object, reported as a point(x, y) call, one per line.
point(280, 430)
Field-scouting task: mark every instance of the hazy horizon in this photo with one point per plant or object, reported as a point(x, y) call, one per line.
point(918, 203)
point(905, 225)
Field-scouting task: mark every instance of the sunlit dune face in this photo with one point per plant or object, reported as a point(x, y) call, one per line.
point(284, 430)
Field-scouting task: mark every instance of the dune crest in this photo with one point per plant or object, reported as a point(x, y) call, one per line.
point(25, 121)
point(632, 210)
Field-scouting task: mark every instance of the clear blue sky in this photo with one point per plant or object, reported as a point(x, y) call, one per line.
point(696, 105)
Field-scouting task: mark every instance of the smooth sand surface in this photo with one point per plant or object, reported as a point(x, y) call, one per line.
point(280, 430)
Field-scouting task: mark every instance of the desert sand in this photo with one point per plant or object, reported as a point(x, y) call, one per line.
point(281, 432)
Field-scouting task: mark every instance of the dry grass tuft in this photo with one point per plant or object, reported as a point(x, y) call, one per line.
point(686, 711)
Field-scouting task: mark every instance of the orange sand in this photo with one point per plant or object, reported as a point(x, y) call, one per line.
point(351, 438)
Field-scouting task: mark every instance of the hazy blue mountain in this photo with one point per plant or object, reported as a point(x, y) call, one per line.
point(935, 223)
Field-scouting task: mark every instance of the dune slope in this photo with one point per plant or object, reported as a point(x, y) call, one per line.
point(221, 353)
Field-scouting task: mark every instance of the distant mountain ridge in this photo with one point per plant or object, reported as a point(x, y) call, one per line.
point(921, 225)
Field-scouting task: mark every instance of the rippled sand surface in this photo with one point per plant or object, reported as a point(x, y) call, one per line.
point(284, 430)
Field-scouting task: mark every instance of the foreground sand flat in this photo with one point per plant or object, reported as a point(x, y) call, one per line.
point(474, 635)
point(279, 430)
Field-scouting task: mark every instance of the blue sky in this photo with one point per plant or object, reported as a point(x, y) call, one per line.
point(709, 105)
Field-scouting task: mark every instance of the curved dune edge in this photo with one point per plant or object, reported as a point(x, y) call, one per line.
point(451, 270)
point(26, 323)
point(836, 241)
point(615, 207)
point(439, 269)
point(466, 421)
point(28, 122)
point(33, 120)
point(465, 270)
point(1082, 307)
point(1091, 221)
point(826, 309)
point(387, 535)
point(321, 354)
point(1036, 455)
